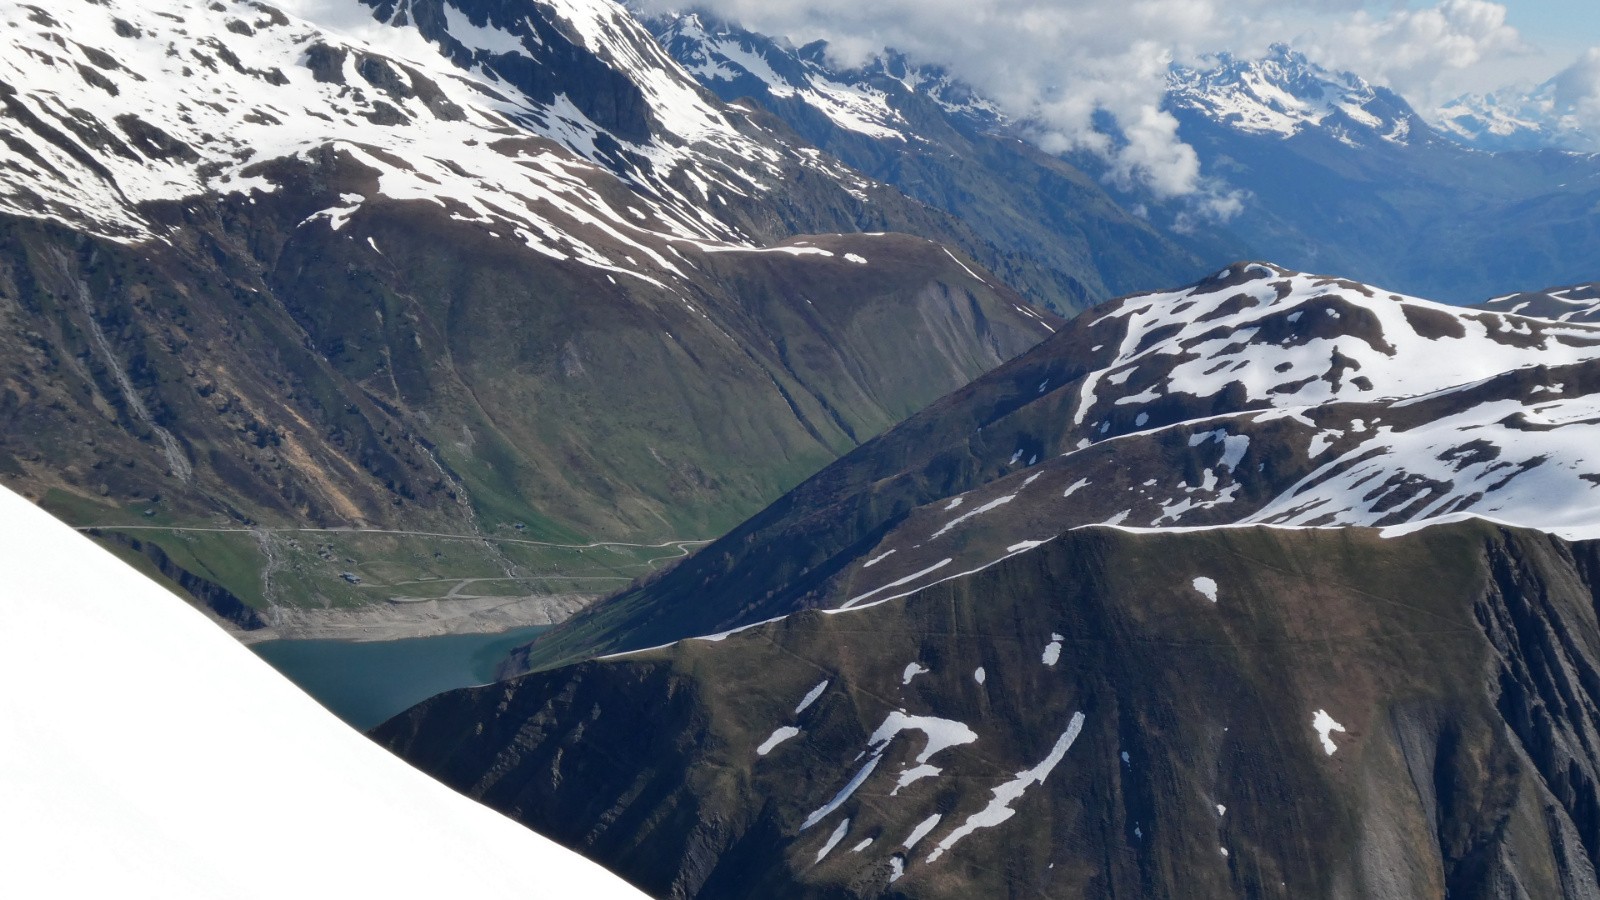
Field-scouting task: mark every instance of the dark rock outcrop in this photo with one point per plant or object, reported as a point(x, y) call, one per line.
point(1352, 716)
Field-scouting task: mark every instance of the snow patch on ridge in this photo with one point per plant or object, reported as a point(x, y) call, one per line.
point(1052, 650)
point(1325, 726)
point(811, 696)
point(991, 505)
point(999, 808)
point(941, 734)
point(897, 583)
point(777, 737)
point(921, 831)
point(876, 559)
point(834, 839)
point(844, 793)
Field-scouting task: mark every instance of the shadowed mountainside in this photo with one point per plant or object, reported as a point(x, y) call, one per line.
point(1223, 712)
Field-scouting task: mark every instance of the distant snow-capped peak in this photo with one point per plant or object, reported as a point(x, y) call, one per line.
point(1286, 94)
point(1511, 120)
point(860, 100)
point(1280, 94)
point(714, 51)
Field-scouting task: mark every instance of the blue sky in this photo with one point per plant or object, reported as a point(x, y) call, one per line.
point(1561, 29)
point(1569, 21)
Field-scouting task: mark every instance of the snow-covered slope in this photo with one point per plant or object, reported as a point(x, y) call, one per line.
point(730, 59)
point(716, 52)
point(144, 753)
point(1283, 339)
point(478, 108)
point(1273, 397)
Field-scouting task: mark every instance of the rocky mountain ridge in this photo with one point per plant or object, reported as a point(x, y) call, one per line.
point(471, 107)
point(1256, 396)
point(1285, 94)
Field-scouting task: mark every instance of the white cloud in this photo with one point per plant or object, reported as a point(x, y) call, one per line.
point(1577, 91)
point(1417, 52)
point(1053, 64)
point(1058, 64)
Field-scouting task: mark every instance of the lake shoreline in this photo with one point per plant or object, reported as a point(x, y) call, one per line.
point(405, 621)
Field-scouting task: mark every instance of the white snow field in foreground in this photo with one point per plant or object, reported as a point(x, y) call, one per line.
point(145, 753)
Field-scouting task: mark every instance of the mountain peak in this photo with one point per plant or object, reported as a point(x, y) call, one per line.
point(1515, 120)
point(1286, 93)
point(1280, 57)
point(859, 100)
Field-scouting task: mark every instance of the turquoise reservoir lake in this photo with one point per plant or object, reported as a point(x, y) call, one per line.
point(365, 683)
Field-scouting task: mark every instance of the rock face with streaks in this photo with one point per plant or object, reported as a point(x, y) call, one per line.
point(1352, 715)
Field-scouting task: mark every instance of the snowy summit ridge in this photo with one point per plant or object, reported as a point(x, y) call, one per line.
point(1509, 120)
point(1285, 94)
point(858, 100)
